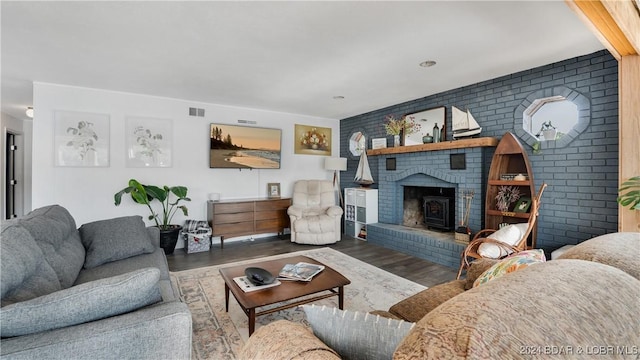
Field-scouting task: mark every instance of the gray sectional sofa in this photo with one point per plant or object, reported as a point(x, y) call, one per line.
point(98, 292)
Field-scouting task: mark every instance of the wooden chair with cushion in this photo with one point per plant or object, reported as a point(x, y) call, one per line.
point(497, 244)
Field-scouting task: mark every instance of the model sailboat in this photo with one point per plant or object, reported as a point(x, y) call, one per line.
point(363, 173)
point(464, 125)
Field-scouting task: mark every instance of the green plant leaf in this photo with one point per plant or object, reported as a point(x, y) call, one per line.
point(156, 192)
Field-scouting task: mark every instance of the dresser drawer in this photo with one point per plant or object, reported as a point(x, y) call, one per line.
point(272, 205)
point(232, 208)
point(233, 218)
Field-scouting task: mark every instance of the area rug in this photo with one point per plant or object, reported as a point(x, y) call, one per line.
point(220, 335)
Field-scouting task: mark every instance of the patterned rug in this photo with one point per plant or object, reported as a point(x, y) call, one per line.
point(220, 335)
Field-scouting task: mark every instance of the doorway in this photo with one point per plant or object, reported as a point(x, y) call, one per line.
point(13, 175)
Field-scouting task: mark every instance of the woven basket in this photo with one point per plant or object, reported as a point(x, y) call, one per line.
point(462, 238)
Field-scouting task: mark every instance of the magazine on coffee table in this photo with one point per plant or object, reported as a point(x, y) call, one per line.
point(247, 286)
point(301, 271)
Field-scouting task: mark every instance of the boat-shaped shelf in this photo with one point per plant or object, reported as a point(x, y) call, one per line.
point(509, 158)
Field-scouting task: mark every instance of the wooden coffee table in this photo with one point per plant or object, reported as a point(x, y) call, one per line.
point(326, 284)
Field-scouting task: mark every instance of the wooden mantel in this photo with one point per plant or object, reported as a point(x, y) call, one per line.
point(444, 145)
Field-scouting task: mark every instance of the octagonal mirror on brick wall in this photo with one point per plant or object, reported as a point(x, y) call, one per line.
point(568, 111)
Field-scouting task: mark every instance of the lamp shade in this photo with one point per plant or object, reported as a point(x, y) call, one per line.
point(335, 163)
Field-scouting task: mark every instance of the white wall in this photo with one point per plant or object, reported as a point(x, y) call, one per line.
point(87, 192)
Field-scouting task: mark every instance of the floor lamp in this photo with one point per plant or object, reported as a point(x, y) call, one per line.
point(336, 164)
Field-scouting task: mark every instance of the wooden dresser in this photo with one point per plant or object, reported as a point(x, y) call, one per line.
point(230, 218)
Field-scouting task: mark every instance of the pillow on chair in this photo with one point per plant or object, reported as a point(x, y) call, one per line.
point(510, 235)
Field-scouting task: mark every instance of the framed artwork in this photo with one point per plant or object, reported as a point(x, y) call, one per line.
point(244, 147)
point(312, 140)
point(81, 139)
point(148, 142)
point(427, 120)
point(523, 205)
point(379, 143)
point(273, 190)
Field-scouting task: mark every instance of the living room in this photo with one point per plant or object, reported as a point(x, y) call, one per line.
point(583, 177)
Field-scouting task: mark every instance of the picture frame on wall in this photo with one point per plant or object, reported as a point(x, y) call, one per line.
point(81, 139)
point(312, 140)
point(426, 121)
point(148, 142)
point(273, 190)
point(379, 143)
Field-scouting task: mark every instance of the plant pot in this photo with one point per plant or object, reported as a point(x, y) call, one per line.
point(549, 134)
point(169, 238)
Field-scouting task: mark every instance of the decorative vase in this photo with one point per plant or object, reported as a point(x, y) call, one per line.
point(436, 133)
point(396, 140)
point(549, 134)
point(427, 139)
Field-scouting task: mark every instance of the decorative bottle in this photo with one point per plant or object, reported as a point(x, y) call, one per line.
point(436, 133)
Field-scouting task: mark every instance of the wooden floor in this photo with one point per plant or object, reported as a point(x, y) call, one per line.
point(406, 266)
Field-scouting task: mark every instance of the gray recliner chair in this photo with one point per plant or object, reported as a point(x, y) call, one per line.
point(315, 217)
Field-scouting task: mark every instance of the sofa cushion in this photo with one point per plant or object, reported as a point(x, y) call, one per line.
point(616, 249)
point(356, 335)
point(555, 304)
point(510, 264)
point(82, 303)
point(415, 307)
point(509, 235)
point(316, 224)
point(54, 231)
point(115, 239)
point(24, 273)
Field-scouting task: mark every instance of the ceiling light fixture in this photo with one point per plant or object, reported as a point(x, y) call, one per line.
point(338, 97)
point(29, 112)
point(428, 63)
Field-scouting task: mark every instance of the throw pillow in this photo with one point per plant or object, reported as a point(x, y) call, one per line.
point(509, 235)
point(114, 239)
point(476, 268)
point(82, 303)
point(356, 335)
point(510, 264)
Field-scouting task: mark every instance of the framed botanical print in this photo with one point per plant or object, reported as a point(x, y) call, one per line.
point(81, 139)
point(149, 142)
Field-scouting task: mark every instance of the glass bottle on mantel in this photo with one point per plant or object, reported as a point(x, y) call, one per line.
point(436, 133)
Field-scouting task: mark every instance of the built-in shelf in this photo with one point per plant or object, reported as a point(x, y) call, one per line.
point(444, 145)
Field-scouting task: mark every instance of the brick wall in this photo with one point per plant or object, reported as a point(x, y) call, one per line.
point(580, 202)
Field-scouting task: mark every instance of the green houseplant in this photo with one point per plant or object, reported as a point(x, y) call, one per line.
point(632, 197)
point(146, 194)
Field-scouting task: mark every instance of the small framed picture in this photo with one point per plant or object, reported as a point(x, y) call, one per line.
point(273, 190)
point(379, 143)
point(523, 205)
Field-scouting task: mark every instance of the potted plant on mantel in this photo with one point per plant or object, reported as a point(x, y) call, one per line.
point(145, 194)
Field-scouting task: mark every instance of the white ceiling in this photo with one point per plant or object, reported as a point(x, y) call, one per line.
point(283, 56)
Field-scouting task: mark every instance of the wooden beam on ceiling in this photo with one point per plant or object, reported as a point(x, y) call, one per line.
point(615, 23)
